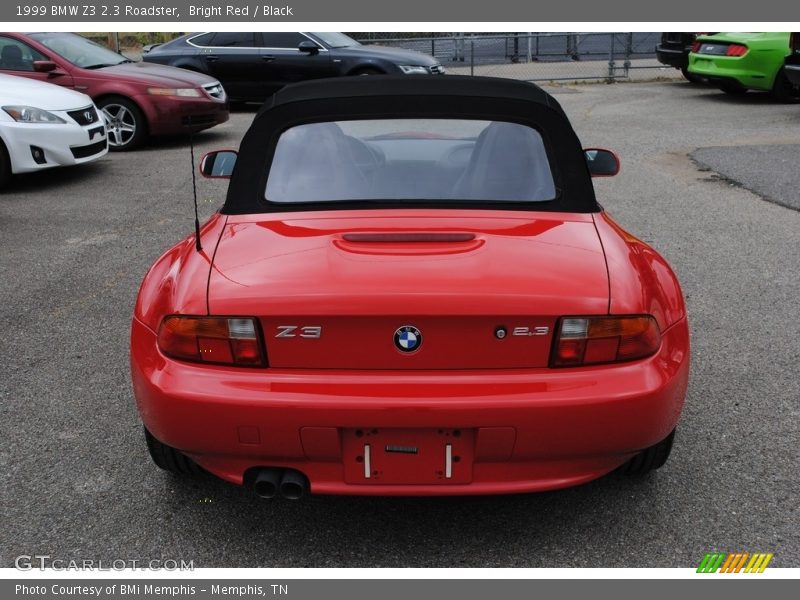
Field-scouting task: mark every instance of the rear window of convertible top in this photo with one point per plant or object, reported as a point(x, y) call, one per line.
point(410, 159)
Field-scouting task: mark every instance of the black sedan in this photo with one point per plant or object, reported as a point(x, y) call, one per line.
point(251, 66)
point(674, 51)
point(792, 65)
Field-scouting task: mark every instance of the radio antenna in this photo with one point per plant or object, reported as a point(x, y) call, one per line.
point(194, 192)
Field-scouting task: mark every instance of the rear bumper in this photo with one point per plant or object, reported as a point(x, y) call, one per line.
point(534, 430)
point(174, 115)
point(673, 57)
point(746, 71)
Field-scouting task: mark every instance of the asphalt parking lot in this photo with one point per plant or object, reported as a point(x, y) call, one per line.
point(76, 481)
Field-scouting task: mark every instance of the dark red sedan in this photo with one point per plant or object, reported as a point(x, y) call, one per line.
point(137, 99)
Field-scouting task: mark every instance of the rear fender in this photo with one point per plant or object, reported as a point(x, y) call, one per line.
point(640, 280)
point(177, 283)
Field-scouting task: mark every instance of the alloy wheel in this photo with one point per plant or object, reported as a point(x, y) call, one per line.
point(120, 124)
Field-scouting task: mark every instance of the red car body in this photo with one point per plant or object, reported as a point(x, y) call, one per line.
point(470, 411)
point(165, 114)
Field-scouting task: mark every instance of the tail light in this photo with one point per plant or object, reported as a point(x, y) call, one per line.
point(696, 46)
point(595, 340)
point(216, 340)
point(736, 50)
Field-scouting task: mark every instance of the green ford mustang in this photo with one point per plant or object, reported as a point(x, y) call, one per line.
point(737, 62)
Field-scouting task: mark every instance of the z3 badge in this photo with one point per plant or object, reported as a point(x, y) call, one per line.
point(309, 332)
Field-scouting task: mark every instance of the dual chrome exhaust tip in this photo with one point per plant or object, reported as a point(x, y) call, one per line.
point(287, 483)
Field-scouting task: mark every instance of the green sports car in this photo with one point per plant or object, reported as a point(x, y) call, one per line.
point(737, 62)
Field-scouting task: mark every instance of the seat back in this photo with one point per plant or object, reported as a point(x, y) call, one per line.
point(11, 58)
point(509, 162)
point(315, 163)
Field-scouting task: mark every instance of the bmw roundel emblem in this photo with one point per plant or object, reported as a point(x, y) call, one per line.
point(407, 338)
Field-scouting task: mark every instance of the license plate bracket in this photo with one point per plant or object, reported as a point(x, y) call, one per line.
point(390, 456)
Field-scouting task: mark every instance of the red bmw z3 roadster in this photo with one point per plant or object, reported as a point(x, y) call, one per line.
point(410, 290)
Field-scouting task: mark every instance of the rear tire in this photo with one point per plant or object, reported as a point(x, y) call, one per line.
point(691, 77)
point(5, 166)
point(170, 459)
point(783, 90)
point(649, 459)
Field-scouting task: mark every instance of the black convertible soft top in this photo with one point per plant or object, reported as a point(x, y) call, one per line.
point(397, 97)
point(405, 85)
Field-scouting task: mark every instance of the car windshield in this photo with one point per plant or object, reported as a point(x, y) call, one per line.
point(335, 39)
point(410, 159)
point(79, 51)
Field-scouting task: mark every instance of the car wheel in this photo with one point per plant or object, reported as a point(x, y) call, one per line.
point(169, 459)
point(367, 71)
point(783, 90)
point(691, 76)
point(124, 121)
point(650, 459)
point(5, 166)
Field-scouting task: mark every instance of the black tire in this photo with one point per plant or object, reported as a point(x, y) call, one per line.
point(783, 90)
point(5, 166)
point(691, 77)
point(650, 459)
point(367, 71)
point(169, 458)
point(126, 124)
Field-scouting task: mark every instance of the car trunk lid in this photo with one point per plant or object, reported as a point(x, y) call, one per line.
point(347, 290)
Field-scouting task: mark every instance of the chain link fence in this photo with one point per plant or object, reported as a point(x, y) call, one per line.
point(541, 56)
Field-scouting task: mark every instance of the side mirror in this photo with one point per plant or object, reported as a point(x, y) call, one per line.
point(601, 162)
point(218, 164)
point(308, 47)
point(44, 66)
